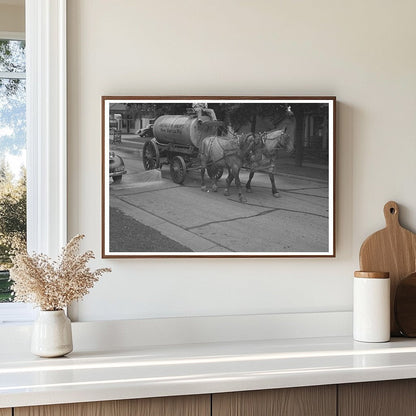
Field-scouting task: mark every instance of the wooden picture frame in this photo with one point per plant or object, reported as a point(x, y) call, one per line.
point(154, 150)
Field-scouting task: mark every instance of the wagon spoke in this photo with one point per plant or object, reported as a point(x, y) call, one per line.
point(178, 169)
point(151, 158)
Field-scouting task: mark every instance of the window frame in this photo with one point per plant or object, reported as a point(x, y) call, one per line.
point(46, 125)
point(46, 137)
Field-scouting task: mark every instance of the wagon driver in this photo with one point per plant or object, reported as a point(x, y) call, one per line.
point(202, 109)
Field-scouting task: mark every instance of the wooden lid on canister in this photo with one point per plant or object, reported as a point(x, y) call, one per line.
point(372, 275)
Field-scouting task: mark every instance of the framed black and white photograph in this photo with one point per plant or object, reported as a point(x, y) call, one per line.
point(218, 176)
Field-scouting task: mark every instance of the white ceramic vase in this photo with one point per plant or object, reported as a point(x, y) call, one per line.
point(52, 334)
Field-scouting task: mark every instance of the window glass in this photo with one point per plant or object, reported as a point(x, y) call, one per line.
point(12, 56)
point(12, 155)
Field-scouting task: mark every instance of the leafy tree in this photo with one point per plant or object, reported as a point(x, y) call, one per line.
point(300, 110)
point(238, 115)
point(12, 213)
point(12, 59)
point(136, 111)
point(6, 175)
point(235, 115)
point(12, 223)
point(12, 142)
point(12, 98)
point(12, 56)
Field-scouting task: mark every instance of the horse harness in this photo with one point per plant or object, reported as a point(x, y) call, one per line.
point(226, 152)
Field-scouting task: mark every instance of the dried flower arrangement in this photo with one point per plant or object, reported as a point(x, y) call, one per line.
point(53, 285)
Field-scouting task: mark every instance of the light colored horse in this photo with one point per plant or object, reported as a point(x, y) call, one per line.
point(266, 149)
point(225, 152)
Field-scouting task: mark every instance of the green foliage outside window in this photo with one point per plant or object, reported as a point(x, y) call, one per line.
point(12, 223)
point(12, 155)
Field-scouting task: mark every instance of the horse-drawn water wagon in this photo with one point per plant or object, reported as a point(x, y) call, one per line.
point(191, 142)
point(176, 141)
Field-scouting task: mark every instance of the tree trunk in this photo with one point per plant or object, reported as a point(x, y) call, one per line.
point(299, 113)
point(253, 123)
point(227, 120)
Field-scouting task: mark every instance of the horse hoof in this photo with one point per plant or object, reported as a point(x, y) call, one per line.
point(226, 193)
point(203, 188)
point(214, 188)
point(276, 195)
point(248, 190)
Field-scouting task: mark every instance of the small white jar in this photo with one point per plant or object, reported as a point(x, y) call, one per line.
point(371, 313)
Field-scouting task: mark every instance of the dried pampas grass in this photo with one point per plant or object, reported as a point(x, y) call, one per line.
point(53, 285)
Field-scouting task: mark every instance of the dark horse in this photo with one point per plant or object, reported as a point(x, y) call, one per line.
point(225, 152)
point(266, 148)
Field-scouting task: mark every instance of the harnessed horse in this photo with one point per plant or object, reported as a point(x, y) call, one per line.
point(225, 152)
point(266, 149)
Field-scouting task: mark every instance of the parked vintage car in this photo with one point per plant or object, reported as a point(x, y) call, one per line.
point(117, 168)
point(146, 131)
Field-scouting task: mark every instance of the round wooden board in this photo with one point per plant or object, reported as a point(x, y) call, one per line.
point(405, 306)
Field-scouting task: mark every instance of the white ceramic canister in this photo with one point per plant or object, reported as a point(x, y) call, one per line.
point(371, 314)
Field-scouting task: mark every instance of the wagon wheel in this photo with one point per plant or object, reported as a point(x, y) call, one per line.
point(151, 158)
point(178, 169)
point(215, 172)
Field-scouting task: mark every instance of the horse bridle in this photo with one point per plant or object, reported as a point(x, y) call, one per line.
point(264, 138)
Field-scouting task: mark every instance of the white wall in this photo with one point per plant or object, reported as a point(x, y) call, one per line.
point(12, 17)
point(361, 51)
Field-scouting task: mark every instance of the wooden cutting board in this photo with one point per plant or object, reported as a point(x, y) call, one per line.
point(393, 250)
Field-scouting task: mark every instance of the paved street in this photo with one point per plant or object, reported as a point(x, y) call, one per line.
point(211, 222)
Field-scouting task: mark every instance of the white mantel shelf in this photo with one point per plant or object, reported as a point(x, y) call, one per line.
point(151, 371)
